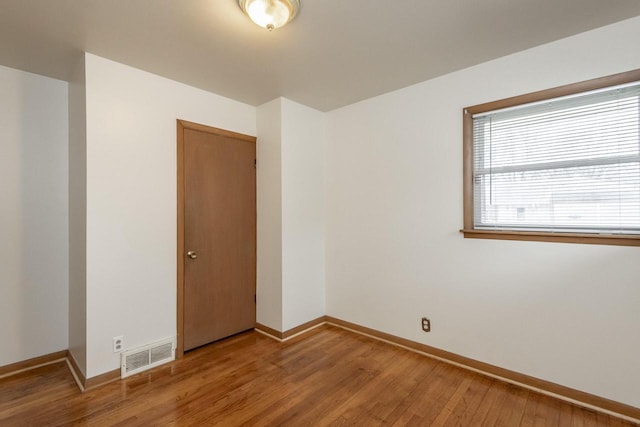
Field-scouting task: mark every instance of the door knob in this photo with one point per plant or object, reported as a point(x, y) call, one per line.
point(192, 255)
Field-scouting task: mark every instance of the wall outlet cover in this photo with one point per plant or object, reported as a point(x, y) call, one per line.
point(118, 344)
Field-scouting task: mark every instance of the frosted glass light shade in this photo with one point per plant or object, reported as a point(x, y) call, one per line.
point(270, 14)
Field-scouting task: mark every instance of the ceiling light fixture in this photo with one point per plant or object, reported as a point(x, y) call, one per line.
point(270, 14)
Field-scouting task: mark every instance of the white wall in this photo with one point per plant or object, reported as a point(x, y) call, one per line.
point(291, 208)
point(304, 133)
point(33, 216)
point(269, 206)
point(566, 313)
point(131, 200)
point(78, 217)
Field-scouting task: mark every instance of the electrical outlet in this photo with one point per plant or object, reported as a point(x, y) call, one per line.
point(426, 324)
point(118, 344)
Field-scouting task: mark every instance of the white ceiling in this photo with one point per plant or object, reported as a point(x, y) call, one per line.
point(334, 53)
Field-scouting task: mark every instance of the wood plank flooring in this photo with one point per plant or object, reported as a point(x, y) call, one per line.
point(327, 377)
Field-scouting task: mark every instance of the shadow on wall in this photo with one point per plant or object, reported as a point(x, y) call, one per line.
point(33, 216)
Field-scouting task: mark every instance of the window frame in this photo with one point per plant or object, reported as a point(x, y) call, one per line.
point(468, 194)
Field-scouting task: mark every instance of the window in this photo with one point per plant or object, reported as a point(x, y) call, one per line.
point(557, 165)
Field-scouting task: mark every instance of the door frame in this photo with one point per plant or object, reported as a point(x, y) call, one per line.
point(183, 125)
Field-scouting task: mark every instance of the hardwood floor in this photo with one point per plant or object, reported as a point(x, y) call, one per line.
point(327, 377)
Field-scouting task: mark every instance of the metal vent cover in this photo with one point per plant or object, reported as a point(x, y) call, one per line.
point(146, 357)
point(161, 352)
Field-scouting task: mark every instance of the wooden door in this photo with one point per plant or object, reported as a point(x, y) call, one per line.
point(219, 242)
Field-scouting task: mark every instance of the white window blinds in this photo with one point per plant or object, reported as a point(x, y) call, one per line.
point(569, 164)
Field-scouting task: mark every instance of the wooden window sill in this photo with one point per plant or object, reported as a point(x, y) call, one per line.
point(592, 239)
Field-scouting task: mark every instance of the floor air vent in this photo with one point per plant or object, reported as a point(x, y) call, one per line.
point(147, 357)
